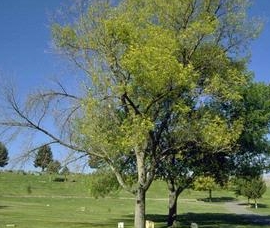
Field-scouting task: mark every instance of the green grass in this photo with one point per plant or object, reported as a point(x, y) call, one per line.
point(19, 184)
point(30, 201)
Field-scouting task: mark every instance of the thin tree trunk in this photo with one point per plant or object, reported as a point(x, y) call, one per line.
point(210, 195)
point(139, 220)
point(172, 216)
point(256, 204)
point(174, 192)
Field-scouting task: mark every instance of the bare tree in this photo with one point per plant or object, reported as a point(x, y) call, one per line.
point(50, 112)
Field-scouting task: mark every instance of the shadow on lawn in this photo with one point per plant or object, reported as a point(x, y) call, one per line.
point(3, 207)
point(252, 205)
point(212, 220)
point(217, 199)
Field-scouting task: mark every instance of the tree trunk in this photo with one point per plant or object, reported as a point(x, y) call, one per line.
point(210, 195)
point(256, 204)
point(174, 191)
point(139, 220)
point(173, 196)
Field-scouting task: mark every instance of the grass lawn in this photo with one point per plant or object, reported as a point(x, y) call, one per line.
point(30, 201)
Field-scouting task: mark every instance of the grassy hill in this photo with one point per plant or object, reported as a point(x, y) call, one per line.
point(30, 201)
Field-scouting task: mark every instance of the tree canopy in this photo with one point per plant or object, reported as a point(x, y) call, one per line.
point(157, 68)
point(205, 184)
point(252, 188)
point(43, 157)
point(165, 80)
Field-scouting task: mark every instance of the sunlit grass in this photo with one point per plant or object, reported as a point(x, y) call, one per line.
point(68, 204)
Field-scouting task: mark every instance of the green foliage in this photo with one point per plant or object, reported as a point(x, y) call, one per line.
point(257, 111)
point(161, 73)
point(43, 157)
point(102, 183)
point(253, 143)
point(66, 36)
point(252, 188)
point(205, 183)
point(3, 155)
point(150, 72)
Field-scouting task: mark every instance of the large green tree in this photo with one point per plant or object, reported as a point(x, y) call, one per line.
point(248, 156)
point(3, 155)
point(43, 157)
point(212, 54)
point(156, 68)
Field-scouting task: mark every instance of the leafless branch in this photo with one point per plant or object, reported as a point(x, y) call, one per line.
point(36, 115)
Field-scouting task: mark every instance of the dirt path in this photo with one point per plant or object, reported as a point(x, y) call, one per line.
point(239, 208)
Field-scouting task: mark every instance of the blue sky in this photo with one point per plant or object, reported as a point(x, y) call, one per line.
point(25, 52)
point(25, 43)
point(260, 48)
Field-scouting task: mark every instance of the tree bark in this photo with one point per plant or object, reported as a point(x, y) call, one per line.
point(174, 191)
point(139, 220)
point(256, 204)
point(210, 195)
point(172, 216)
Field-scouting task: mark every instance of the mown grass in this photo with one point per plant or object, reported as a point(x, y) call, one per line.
point(21, 184)
point(48, 204)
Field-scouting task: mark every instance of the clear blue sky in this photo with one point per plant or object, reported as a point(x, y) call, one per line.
point(25, 40)
point(260, 48)
point(26, 56)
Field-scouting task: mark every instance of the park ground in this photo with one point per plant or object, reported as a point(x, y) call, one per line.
point(37, 201)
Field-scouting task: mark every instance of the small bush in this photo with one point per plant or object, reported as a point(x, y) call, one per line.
point(59, 179)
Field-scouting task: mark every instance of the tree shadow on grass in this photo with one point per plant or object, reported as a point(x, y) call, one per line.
point(213, 220)
point(218, 199)
point(3, 207)
point(260, 205)
point(252, 205)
